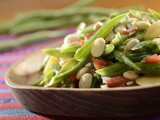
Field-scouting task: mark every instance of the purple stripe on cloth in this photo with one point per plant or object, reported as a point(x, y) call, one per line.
point(2, 82)
point(5, 91)
point(6, 65)
point(8, 58)
point(16, 113)
point(7, 100)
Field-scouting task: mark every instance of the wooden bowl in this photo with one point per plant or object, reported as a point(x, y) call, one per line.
point(114, 102)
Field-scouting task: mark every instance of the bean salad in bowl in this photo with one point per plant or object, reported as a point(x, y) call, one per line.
point(116, 51)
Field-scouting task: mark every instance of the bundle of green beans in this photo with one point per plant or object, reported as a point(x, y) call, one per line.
point(52, 19)
point(121, 51)
point(47, 19)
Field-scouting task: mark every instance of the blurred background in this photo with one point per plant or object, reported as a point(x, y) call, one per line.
point(9, 8)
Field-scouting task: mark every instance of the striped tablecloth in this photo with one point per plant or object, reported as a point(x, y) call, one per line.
point(9, 109)
point(8, 106)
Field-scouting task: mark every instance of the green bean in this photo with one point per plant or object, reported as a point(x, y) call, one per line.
point(49, 15)
point(138, 14)
point(55, 14)
point(70, 49)
point(129, 62)
point(55, 80)
point(137, 56)
point(103, 32)
point(68, 65)
point(154, 13)
point(139, 35)
point(57, 53)
point(38, 82)
point(80, 27)
point(152, 47)
point(147, 46)
point(81, 3)
point(31, 38)
point(120, 48)
point(41, 25)
point(116, 40)
point(113, 70)
point(97, 79)
point(88, 30)
point(140, 45)
point(121, 57)
point(141, 14)
point(108, 49)
point(148, 68)
point(49, 76)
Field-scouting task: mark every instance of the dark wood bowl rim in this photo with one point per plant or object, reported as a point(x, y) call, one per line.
point(16, 86)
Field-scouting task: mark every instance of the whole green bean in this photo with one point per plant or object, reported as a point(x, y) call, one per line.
point(31, 38)
point(45, 15)
point(81, 3)
point(154, 13)
point(41, 25)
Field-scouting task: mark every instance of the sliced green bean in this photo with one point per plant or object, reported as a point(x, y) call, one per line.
point(137, 56)
point(70, 49)
point(116, 40)
point(108, 49)
point(113, 70)
point(55, 80)
point(103, 32)
point(148, 68)
point(57, 53)
point(81, 27)
point(121, 57)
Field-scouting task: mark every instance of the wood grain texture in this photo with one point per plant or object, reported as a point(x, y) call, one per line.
point(114, 102)
point(90, 103)
point(8, 8)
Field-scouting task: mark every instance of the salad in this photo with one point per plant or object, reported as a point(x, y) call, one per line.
point(117, 51)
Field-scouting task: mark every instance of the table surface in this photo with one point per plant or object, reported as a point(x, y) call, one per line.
point(9, 109)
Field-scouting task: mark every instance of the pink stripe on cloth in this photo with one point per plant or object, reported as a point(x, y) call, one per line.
point(36, 117)
point(4, 86)
point(6, 95)
point(10, 106)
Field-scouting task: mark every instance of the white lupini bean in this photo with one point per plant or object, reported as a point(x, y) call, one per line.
point(98, 25)
point(82, 72)
point(71, 38)
point(85, 81)
point(120, 29)
point(98, 47)
point(142, 25)
point(131, 44)
point(130, 75)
